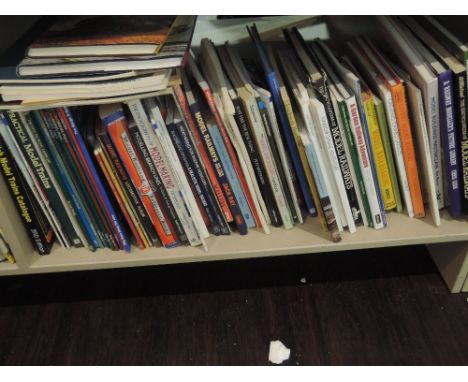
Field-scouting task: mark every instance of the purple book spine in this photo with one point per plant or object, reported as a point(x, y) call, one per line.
point(448, 129)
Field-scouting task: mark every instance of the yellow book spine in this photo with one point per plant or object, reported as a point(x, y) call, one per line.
point(303, 158)
point(378, 153)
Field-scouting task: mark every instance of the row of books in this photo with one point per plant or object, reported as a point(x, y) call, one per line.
point(5, 252)
point(90, 57)
point(235, 146)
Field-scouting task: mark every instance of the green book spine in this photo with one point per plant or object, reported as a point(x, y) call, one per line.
point(355, 160)
point(382, 119)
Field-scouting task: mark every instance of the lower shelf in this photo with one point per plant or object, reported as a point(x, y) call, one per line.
point(306, 238)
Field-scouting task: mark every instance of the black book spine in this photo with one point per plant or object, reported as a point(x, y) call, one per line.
point(119, 170)
point(257, 163)
point(155, 181)
point(461, 108)
point(211, 200)
point(187, 164)
point(36, 224)
point(322, 89)
point(23, 139)
point(218, 166)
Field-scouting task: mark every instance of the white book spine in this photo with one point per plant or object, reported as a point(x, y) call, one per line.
point(433, 126)
point(397, 150)
point(267, 157)
point(161, 164)
point(364, 162)
point(323, 168)
point(193, 220)
point(319, 113)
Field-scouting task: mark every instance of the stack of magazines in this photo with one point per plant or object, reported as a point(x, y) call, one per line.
point(94, 57)
point(237, 144)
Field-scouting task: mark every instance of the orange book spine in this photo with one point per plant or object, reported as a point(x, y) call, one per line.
point(232, 154)
point(99, 156)
point(404, 127)
point(203, 155)
point(118, 133)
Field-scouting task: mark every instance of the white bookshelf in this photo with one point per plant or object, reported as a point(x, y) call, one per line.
point(447, 243)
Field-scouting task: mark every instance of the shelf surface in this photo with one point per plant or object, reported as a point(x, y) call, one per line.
point(305, 238)
point(8, 269)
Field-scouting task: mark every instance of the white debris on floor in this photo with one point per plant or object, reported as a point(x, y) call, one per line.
point(303, 280)
point(278, 352)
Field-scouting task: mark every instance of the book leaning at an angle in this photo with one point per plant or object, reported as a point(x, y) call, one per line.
point(374, 79)
point(314, 150)
point(204, 125)
point(284, 124)
point(418, 121)
point(117, 127)
point(427, 82)
point(38, 228)
point(173, 54)
point(449, 86)
point(260, 147)
point(220, 87)
point(32, 182)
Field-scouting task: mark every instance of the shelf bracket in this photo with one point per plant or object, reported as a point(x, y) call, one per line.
point(452, 261)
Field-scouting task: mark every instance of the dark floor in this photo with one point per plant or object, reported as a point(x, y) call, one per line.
point(378, 307)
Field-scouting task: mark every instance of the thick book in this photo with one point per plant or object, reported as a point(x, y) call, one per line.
point(173, 54)
point(284, 124)
point(39, 230)
point(117, 128)
point(75, 36)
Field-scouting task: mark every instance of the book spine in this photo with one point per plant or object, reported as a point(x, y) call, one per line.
point(117, 192)
point(36, 164)
point(244, 189)
point(220, 172)
point(31, 179)
point(39, 231)
point(412, 172)
point(68, 150)
point(303, 158)
point(325, 203)
point(352, 150)
point(50, 135)
point(110, 214)
point(258, 166)
point(380, 160)
point(130, 190)
point(209, 196)
point(193, 144)
point(340, 152)
point(155, 167)
point(460, 93)
point(193, 121)
point(382, 121)
point(287, 133)
point(51, 166)
point(118, 132)
point(192, 219)
point(281, 184)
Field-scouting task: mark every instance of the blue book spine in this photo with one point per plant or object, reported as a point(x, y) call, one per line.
point(316, 170)
point(287, 133)
point(108, 206)
point(232, 176)
point(365, 129)
point(448, 127)
point(67, 182)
